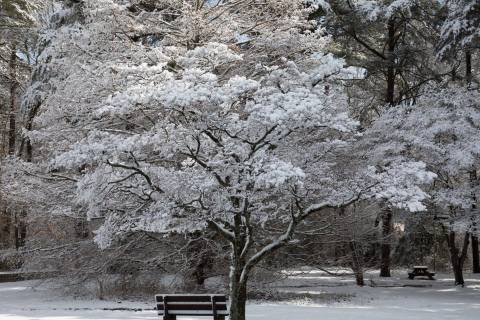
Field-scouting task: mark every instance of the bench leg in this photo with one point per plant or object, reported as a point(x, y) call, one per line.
point(410, 276)
point(219, 318)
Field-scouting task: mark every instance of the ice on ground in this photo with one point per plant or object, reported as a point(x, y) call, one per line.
point(387, 299)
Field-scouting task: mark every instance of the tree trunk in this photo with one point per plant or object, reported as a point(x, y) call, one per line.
point(29, 151)
point(458, 273)
point(390, 97)
point(12, 66)
point(357, 263)
point(386, 245)
point(475, 255)
point(26, 143)
point(16, 231)
point(22, 229)
point(238, 286)
point(457, 258)
point(13, 109)
point(238, 295)
point(468, 65)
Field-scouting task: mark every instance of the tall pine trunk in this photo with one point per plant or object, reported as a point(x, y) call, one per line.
point(13, 103)
point(475, 252)
point(391, 63)
point(475, 255)
point(468, 65)
point(387, 228)
point(473, 178)
point(390, 99)
point(12, 68)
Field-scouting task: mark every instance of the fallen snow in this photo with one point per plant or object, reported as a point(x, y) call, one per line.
point(389, 299)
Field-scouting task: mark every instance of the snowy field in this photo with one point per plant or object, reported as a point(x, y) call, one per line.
point(385, 300)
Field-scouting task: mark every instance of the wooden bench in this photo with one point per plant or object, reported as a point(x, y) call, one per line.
point(169, 306)
point(420, 271)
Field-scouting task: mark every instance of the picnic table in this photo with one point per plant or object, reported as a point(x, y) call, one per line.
point(421, 271)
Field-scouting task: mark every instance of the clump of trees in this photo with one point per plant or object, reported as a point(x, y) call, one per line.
point(237, 129)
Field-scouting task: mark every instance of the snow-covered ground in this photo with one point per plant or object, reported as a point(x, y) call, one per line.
point(387, 299)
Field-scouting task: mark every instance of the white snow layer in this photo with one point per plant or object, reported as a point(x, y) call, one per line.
point(437, 300)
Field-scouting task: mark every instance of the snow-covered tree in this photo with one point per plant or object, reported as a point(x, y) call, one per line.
point(459, 37)
point(17, 17)
point(458, 43)
point(392, 42)
point(460, 29)
point(17, 37)
point(179, 116)
point(441, 130)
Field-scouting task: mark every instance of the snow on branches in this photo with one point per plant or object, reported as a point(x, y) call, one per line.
point(441, 130)
point(460, 29)
point(159, 120)
point(170, 126)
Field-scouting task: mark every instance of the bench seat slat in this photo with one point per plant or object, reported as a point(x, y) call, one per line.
point(192, 307)
point(176, 303)
point(194, 312)
point(193, 298)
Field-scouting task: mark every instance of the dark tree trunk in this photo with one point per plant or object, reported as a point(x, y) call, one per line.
point(468, 65)
point(13, 102)
point(390, 97)
point(26, 143)
point(357, 263)
point(475, 255)
point(238, 286)
point(19, 228)
point(16, 231)
point(29, 151)
point(238, 300)
point(458, 257)
point(386, 245)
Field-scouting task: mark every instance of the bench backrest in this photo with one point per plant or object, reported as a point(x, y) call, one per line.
point(192, 304)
